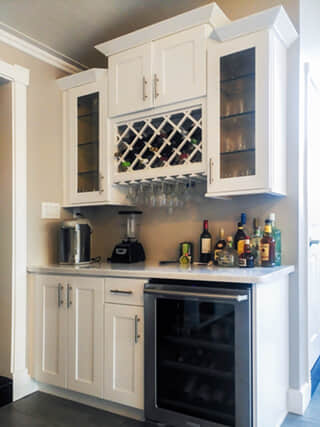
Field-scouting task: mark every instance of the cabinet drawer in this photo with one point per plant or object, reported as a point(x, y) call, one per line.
point(124, 291)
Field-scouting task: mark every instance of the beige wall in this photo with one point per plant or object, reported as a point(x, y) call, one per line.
point(5, 227)
point(44, 144)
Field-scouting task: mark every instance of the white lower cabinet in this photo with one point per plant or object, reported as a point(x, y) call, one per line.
point(69, 333)
point(124, 355)
point(50, 323)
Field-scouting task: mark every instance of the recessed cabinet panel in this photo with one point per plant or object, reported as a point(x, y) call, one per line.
point(84, 302)
point(130, 77)
point(180, 66)
point(50, 338)
point(123, 377)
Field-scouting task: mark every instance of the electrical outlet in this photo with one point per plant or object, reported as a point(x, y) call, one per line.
point(50, 210)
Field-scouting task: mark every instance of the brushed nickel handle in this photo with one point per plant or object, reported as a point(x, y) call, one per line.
point(101, 178)
point(156, 81)
point(136, 334)
point(210, 170)
point(144, 88)
point(69, 301)
point(118, 291)
point(60, 300)
point(237, 298)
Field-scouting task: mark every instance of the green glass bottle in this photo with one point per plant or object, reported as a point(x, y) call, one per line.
point(276, 233)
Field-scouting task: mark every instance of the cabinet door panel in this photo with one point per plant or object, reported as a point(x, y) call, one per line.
point(180, 67)
point(123, 377)
point(85, 335)
point(238, 103)
point(50, 325)
point(130, 81)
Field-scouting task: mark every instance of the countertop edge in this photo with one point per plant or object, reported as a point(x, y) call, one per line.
point(148, 274)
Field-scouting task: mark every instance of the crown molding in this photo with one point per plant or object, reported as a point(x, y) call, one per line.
point(209, 14)
point(275, 18)
point(37, 50)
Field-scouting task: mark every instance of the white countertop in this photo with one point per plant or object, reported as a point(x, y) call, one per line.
point(169, 271)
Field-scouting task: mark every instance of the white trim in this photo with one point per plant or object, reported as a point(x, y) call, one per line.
point(85, 77)
point(19, 77)
point(298, 399)
point(275, 18)
point(209, 14)
point(23, 384)
point(44, 53)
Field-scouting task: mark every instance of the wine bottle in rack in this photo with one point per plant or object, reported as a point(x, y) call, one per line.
point(205, 243)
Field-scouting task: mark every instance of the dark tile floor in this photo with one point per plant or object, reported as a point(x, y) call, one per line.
point(43, 410)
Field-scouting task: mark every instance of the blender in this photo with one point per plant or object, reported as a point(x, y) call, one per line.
point(129, 250)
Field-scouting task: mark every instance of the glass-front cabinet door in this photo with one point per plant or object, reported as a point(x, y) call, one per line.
point(87, 136)
point(238, 115)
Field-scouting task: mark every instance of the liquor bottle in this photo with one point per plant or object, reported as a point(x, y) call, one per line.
point(205, 243)
point(243, 221)
point(219, 246)
point(268, 246)
point(228, 257)
point(239, 237)
point(255, 243)
point(246, 259)
point(276, 233)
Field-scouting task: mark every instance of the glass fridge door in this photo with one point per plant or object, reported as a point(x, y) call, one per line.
point(237, 115)
point(195, 360)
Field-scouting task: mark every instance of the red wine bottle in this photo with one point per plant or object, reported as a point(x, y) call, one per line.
point(205, 243)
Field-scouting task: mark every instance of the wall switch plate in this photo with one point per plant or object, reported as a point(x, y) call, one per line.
point(50, 210)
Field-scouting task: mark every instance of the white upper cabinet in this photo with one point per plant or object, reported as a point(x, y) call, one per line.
point(246, 106)
point(179, 66)
point(131, 80)
point(162, 64)
point(166, 71)
point(86, 169)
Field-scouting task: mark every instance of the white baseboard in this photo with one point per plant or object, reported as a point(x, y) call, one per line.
point(298, 399)
point(95, 402)
point(23, 384)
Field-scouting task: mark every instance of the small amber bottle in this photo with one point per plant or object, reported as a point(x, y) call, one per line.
point(268, 246)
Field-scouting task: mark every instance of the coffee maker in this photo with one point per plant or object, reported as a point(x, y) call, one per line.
point(130, 249)
point(75, 241)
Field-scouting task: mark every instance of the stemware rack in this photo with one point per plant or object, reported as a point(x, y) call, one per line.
point(164, 146)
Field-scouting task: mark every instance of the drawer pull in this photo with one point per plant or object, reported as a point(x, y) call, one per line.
point(60, 300)
point(120, 292)
point(136, 334)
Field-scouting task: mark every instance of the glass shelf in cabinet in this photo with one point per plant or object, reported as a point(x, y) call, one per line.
point(80, 144)
point(232, 116)
point(243, 76)
point(247, 150)
point(88, 172)
point(91, 114)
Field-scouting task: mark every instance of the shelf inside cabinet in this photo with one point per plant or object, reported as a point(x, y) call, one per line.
point(192, 369)
point(232, 116)
point(88, 172)
point(92, 114)
point(81, 144)
point(243, 76)
point(247, 150)
point(198, 342)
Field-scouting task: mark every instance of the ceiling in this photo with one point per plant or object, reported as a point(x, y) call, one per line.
point(73, 27)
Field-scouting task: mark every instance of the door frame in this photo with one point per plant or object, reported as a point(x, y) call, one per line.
point(19, 78)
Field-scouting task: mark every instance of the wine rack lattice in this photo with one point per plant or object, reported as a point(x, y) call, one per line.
point(163, 141)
